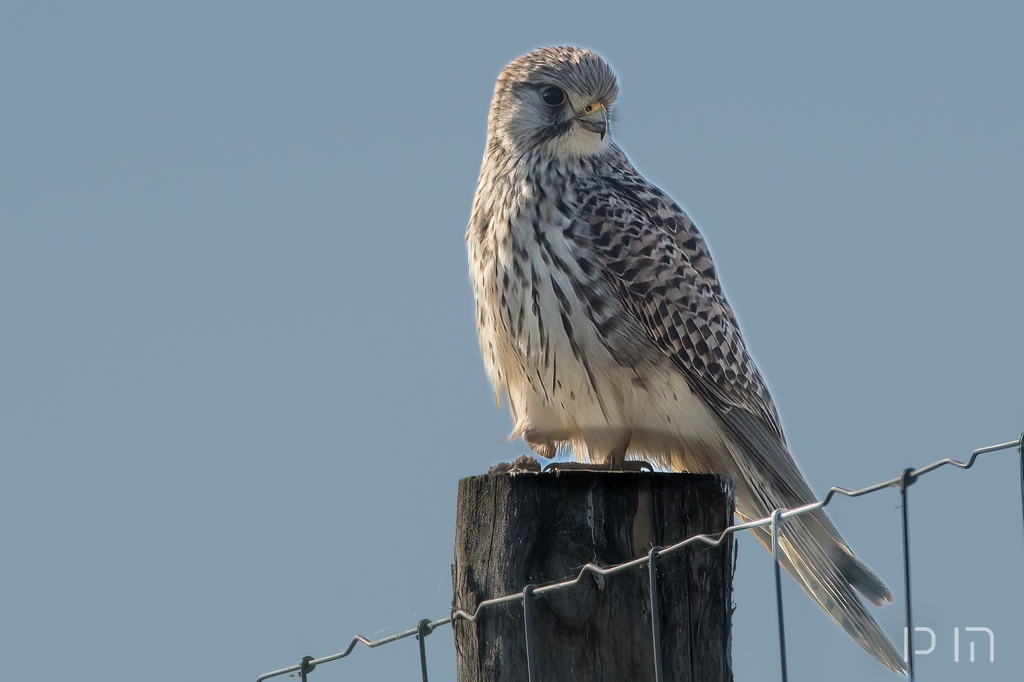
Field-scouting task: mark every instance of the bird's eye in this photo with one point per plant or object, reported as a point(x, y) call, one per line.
point(553, 96)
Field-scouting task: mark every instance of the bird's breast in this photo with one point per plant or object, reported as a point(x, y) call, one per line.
point(561, 345)
point(555, 337)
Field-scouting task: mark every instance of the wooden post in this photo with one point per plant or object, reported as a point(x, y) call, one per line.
point(524, 527)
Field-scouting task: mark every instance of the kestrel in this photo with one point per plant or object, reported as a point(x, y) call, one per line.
point(603, 324)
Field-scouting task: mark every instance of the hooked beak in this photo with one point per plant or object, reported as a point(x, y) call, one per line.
point(594, 118)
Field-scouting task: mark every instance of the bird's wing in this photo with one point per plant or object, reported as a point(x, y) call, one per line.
point(660, 267)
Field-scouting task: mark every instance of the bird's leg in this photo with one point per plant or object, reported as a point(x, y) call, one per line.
point(615, 461)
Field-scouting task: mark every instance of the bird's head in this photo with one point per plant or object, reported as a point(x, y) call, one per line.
point(554, 101)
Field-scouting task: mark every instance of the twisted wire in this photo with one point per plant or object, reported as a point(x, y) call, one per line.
point(711, 539)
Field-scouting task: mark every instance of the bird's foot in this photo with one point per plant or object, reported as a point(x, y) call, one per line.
point(630, 465)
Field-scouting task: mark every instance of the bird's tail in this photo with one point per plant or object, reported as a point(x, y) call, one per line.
point(817, 557)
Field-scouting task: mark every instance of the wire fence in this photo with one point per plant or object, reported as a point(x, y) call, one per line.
point(906, 478)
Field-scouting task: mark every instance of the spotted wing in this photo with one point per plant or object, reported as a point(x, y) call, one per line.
point(659, 265)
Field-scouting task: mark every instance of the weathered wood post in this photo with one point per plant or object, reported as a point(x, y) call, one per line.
point(522, 528)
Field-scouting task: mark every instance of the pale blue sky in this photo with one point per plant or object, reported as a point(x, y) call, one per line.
point(239, 378)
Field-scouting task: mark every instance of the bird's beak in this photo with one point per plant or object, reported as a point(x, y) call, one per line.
point(594, 118)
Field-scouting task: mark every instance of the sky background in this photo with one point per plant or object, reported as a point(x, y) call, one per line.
point(239, 377)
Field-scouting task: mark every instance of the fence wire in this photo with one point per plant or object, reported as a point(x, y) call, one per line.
point(906, 478)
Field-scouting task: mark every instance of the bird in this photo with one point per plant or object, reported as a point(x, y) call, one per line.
point(603, 324)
